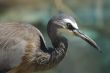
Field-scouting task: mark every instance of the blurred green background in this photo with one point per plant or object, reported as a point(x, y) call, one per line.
point(93, 18)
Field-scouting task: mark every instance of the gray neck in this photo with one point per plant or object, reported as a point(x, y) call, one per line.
point(59, 51)
point(54, 55)
point(60, 45)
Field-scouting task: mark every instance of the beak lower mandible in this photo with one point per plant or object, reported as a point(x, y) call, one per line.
point(87, 39)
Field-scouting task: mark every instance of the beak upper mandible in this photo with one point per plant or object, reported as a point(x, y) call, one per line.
point(87, 39)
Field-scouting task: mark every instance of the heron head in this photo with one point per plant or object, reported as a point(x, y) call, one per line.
point(67, 24)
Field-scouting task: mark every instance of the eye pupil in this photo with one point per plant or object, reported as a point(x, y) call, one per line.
point(69, 26)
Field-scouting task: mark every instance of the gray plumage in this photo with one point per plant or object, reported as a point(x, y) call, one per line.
point(20, 45)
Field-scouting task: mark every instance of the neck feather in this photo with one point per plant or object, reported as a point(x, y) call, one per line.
point(60, 45)
point(57, 53)
point(53, 56)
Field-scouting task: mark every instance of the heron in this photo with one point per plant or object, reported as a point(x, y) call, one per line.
point(23, 48)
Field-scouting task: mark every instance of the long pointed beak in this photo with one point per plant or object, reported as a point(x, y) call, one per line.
point(87, 39)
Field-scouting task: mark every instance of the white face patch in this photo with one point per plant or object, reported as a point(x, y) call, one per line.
point(71, 22)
